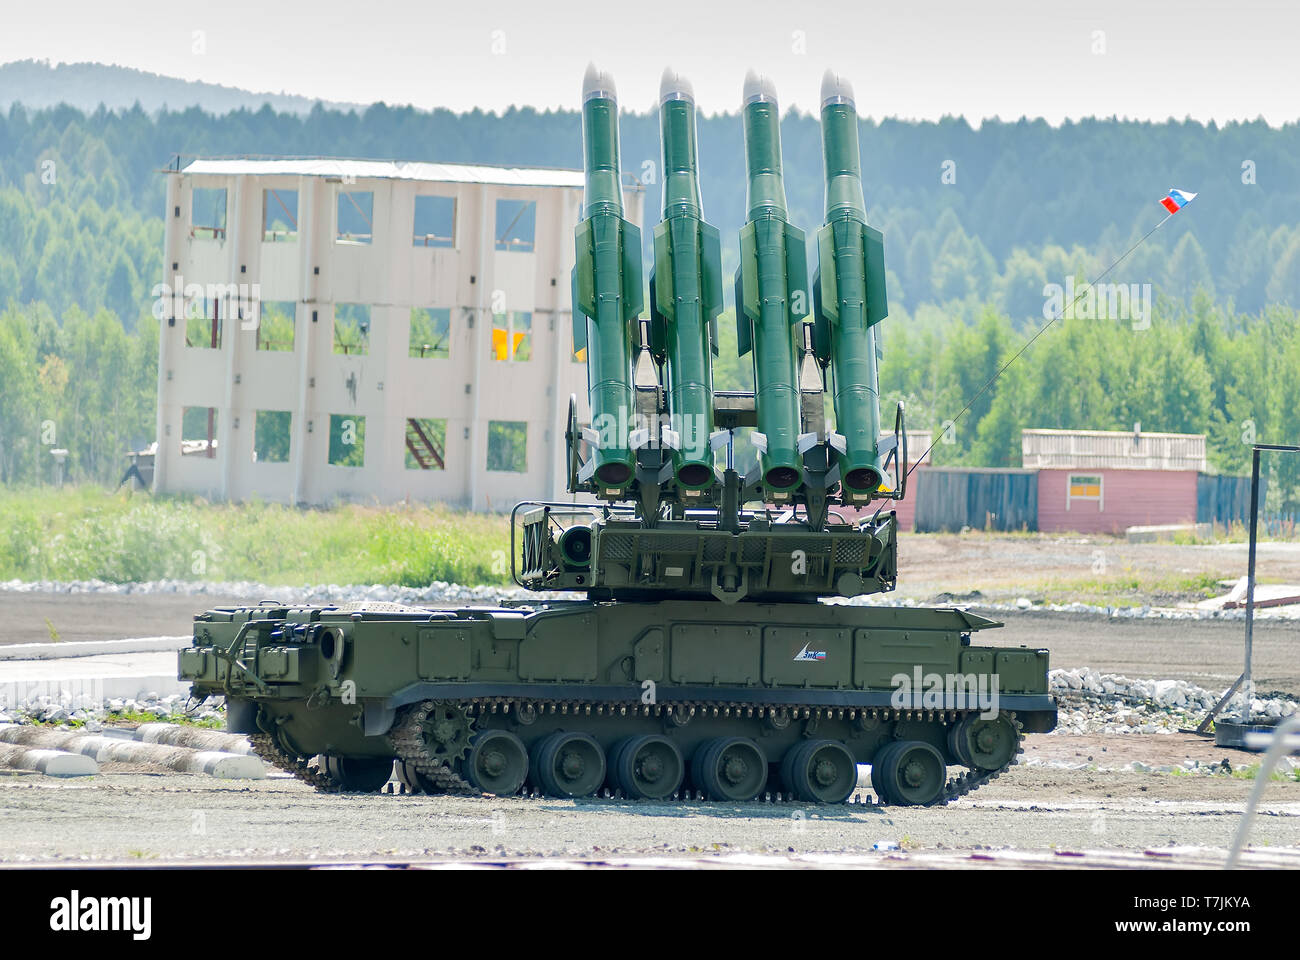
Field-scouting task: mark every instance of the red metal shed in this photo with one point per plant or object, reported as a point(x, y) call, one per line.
point(1101, 481)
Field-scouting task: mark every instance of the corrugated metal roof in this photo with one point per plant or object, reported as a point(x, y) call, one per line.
point(918, 446)
point(390, 170)
point(918, 443)
point(1112, 450)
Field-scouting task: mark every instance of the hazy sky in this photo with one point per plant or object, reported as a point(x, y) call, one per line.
point(1148, 59)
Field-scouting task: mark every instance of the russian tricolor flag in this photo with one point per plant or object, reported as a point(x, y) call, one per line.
point(1176, 200)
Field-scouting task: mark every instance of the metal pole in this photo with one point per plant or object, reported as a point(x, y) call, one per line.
point(1248, 688)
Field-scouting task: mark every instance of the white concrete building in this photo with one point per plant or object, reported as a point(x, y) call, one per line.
point(366, 330)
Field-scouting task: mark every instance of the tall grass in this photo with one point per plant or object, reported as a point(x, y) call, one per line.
point(85, 533)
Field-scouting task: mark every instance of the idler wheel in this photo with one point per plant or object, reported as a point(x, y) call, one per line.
point(648, 767)
point(497, 762)
point(985, 744)
point(729, 768)
point(819, 771)
point(908, 773)
point(568, 765)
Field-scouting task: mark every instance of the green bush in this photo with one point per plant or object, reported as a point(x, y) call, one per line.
point(82, 533)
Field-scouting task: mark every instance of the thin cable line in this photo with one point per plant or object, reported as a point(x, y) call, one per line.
point(1028, 343)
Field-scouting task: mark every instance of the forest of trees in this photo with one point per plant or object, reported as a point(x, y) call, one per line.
point(978, 224)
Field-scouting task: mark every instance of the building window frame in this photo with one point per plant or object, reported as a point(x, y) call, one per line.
point(1082, 481)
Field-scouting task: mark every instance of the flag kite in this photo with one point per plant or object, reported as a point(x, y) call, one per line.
point(1176, 200)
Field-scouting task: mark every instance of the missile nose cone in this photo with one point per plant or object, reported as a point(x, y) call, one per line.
point(836, 89)
point(673, 86)
point(758, 88)
point(598, 83)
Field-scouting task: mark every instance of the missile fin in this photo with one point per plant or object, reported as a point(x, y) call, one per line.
point(744, 328)
point(821, 325)
point(829, 294)
point(584, 280)
point(796, 273)
point(633, 297)
point(661, 275)
point(657, 322)
point(873, 245)
point(710, 271)
point(747, 275)
point(579, 318)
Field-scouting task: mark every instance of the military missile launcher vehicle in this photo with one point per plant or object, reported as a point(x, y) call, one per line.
point(694, 632)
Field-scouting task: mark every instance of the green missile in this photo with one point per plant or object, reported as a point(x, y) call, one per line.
point(606, 285)
point(849, 296)
point(771, 292)
point(685, 290)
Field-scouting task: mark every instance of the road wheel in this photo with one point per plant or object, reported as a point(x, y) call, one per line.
point(908, 773)
point(730, 768)
point(820, 771)
point(568, 765)
point(647, 768)
point(497, 762)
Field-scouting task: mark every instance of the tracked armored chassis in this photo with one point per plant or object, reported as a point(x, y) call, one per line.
point(714, 654)
point(653, 699)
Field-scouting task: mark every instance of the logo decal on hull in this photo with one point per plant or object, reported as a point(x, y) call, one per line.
point(806, 654)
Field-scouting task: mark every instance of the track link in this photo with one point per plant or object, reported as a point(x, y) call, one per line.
point(264, 746)
point(408, 744)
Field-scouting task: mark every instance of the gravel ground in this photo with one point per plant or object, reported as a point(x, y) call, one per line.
point(133, 817)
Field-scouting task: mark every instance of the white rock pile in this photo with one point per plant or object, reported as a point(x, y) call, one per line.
point(86, 710)
point(1094, 702)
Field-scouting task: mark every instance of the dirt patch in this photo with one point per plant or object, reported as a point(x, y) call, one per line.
point(1155, 750)
point(1209, 653)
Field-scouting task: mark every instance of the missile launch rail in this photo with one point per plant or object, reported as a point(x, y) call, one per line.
point(697, 632)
